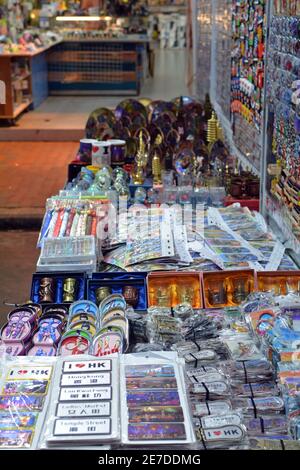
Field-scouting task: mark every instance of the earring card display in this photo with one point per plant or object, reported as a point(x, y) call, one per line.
point(172, 288)
point(227, 288)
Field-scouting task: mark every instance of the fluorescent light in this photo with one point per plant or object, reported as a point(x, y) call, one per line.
point(78, 18)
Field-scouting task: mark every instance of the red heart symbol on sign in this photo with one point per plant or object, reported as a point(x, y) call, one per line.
point(95, 149)
point(217, 433)
point(22, 372)
point(79, 365)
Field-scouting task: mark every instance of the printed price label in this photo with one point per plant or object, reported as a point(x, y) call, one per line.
point(73, 427)
point(215, 407)
point(65, 410)
point(87, 366)
point(30, 373)
point(93, 393)
point(233, 432)
point(86, 379)
point(212, 387)
point(222, 420)
point(203, 377)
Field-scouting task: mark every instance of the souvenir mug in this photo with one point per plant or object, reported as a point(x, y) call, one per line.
point(101, 153)
point(118, 151)
point(85, 150)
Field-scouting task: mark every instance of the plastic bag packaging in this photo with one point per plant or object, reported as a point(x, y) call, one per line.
point(185, 347)
point(275, 443)
point(199, 327)
point(261, 321)
point(258, 389)
point(213, 421)
point(146, 347)
point(222, 437)
point(154, 408)
point(242, 348)
point(159, 311)
point(196, 376)
point(207, 408)
point(24, 385)
point(183, 311)
point(164, 329)
point(266, 425)
point(207, 352)
point(209, 389)
point(84, 407)
point(137, 327)
point(257, 370)
point(259, 406)
point(257, 301)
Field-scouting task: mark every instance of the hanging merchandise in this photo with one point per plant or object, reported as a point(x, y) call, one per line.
point(281, 193)
point(247, 77)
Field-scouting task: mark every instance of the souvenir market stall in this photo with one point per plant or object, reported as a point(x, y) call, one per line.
point(158, 317)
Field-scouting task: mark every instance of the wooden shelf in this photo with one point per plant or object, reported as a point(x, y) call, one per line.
point(20, 79)
point(18, 110)
point(21, 107)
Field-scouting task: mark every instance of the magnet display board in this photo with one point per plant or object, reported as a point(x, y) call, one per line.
point(280, 187)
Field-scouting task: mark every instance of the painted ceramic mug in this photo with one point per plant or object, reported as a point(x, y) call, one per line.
point(118, 151)
point(101, 153)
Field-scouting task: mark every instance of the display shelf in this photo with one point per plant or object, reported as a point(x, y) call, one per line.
point(167, 9)
point(228, 135)
point(202, 40)
point(95, 67)
point(20, 79)
point(20, 108)
point(17, 98)
point(279, 192)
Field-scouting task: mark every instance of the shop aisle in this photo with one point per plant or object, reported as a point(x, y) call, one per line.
point(64, 118)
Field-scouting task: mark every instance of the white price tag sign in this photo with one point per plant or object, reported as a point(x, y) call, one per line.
point(68, 380)
point(72, 410)
point(92, 393)
point(87, 366)
point(87, 426)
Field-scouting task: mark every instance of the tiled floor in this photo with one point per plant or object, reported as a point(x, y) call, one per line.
point(18, 255)
point(30, 172)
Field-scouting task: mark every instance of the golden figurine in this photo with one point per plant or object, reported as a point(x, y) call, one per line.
point(141, 161)
point(156, 169)
point(220, 134)
point(212, 133)
point(186, 295)
point(163, 297)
